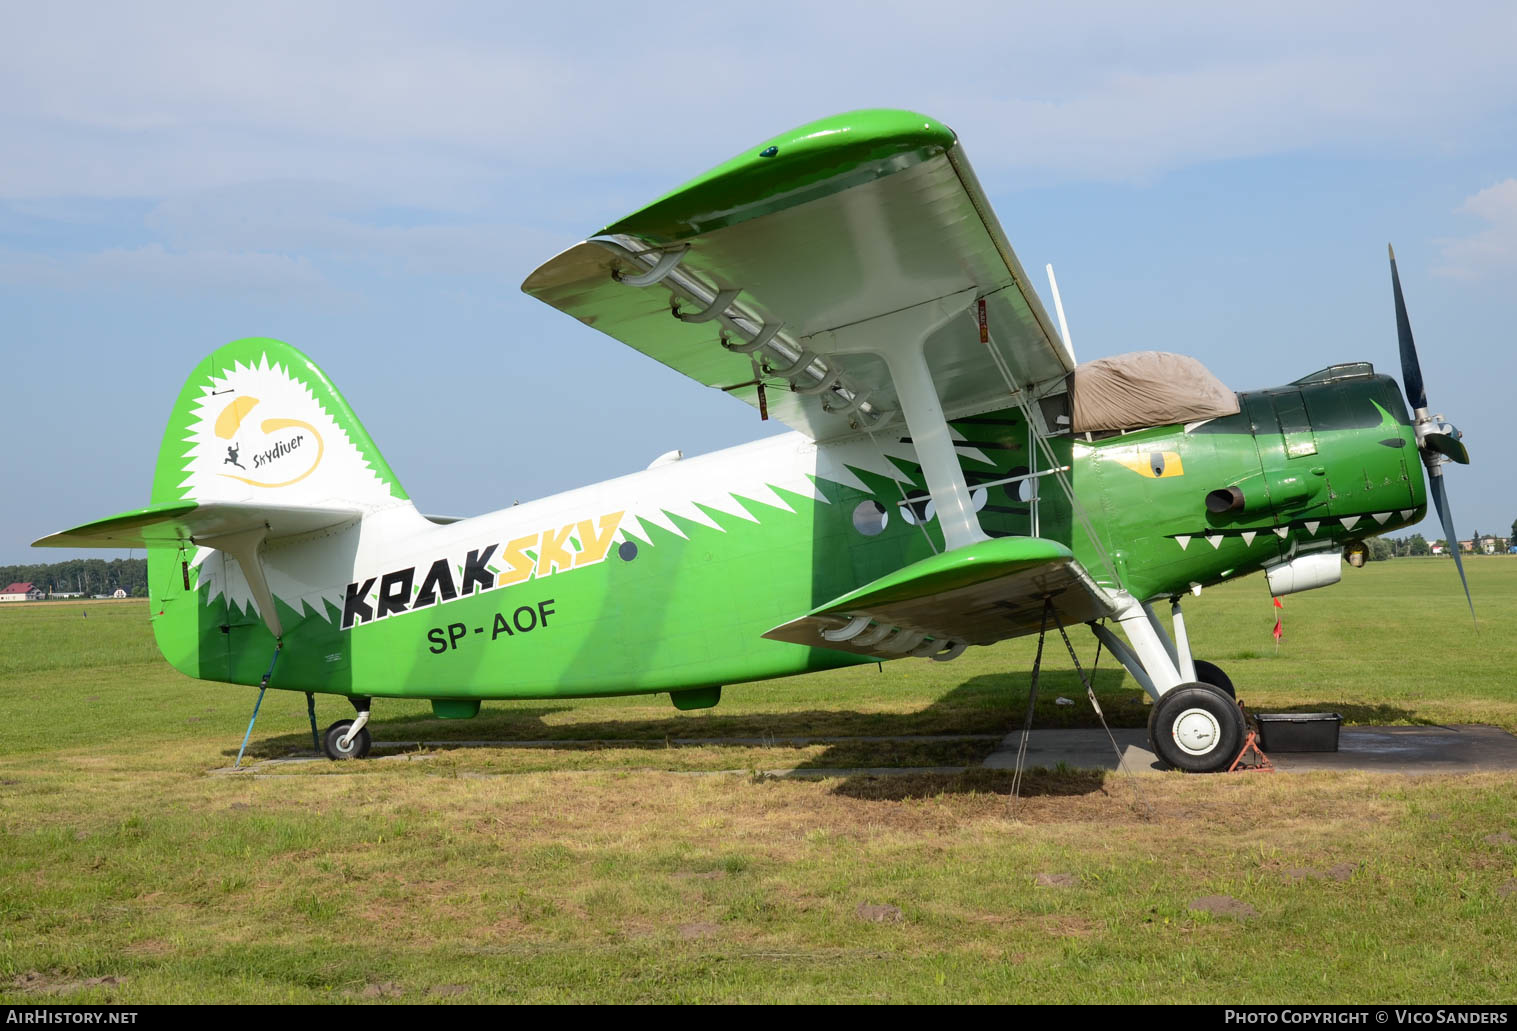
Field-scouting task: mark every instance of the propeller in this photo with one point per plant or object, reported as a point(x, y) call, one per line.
point(1437, 440)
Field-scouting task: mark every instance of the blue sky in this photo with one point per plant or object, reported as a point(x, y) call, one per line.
point(372, 183)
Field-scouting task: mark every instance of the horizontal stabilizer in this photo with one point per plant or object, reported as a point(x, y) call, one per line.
point(181, 522)
point(980, 594)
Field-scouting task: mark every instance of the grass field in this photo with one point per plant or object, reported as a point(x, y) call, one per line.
point(619, 867)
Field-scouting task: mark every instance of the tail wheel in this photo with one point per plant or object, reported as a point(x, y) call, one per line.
point(358, 748)
point(1197, 728)
point(1208, 673)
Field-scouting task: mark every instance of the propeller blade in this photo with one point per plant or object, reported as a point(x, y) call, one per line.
point(1411, 371)
point(1446, 444)
point(1441, 503)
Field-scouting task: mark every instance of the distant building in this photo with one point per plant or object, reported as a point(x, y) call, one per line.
point(119, 593)
point(22, 592)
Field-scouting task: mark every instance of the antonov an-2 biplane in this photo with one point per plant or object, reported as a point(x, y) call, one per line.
point(953, 477)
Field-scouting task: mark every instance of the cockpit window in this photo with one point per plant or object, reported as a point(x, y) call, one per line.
point(1333, 373)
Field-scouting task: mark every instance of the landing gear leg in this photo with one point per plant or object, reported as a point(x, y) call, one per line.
point(1195, 723)
point(350, 739)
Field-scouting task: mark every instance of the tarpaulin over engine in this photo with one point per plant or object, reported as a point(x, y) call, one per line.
point(1145, 388)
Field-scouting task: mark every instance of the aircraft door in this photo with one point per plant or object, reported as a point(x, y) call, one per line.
point(1295, 428)
point(1287, 451)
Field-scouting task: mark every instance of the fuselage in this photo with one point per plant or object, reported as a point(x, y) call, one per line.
point(666, 579)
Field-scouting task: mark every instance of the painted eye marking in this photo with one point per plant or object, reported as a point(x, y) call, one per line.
point(1392, 442)
point(1156, 463)
point(627, 552)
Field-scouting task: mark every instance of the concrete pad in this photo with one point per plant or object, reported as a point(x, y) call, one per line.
point(1463, 748)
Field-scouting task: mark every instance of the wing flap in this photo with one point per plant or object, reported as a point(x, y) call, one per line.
point(181, 522)
point(980, 594)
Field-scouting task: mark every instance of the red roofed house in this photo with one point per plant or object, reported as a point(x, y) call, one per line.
point(22, 592)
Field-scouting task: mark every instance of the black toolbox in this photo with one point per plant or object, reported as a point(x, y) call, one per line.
point(1299, 731)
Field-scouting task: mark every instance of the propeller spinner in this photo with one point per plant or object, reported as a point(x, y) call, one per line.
point(1437, 440)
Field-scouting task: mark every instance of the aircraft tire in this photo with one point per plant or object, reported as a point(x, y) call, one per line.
point(1209, 673)
point(358, 748)
point(1197, 728)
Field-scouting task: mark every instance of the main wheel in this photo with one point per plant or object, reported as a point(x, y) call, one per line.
point(358, 748)
point(1208, 673)
point(1197, 728)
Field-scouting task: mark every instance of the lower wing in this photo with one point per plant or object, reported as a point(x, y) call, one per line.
point(980, 594)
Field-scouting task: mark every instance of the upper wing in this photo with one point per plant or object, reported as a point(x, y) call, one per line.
point(979, 594)
point(826, 226)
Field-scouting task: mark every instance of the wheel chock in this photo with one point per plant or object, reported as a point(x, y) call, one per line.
point(1258, 764)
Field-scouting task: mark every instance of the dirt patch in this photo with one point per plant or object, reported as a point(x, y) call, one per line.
point(56, 984)
point(1056, 880)
point(383, 990)
point(699, 930)
point(1343, 871)
point(1500, 838)
point(1506, 889)
point(1224, 905)
point(878, 914)
point(1064, 926)
point(1297, 874)
point(149, 947)
point(443, 991)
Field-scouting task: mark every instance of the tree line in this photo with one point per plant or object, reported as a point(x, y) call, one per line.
point(104, 576)
point(89, 575)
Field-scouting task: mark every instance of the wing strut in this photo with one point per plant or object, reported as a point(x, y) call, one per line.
point(899, 338)
point(246, 546)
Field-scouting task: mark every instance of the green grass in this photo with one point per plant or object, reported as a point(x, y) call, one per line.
point(130, 873)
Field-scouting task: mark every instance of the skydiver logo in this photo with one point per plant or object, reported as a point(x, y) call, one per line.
point(234, 418)
point(549, 553)
point(279, 450)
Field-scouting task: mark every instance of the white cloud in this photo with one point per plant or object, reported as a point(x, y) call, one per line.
point(1492, 248)
point(445, 103)
point(331, 222)
point(155, 267)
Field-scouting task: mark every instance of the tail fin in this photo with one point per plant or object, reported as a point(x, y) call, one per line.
point(260, 449)
point(258, 422)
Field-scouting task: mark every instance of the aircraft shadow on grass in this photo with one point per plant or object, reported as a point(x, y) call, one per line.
point(990, 705)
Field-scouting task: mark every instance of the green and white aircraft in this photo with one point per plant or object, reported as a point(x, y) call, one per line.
point(952, 478)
